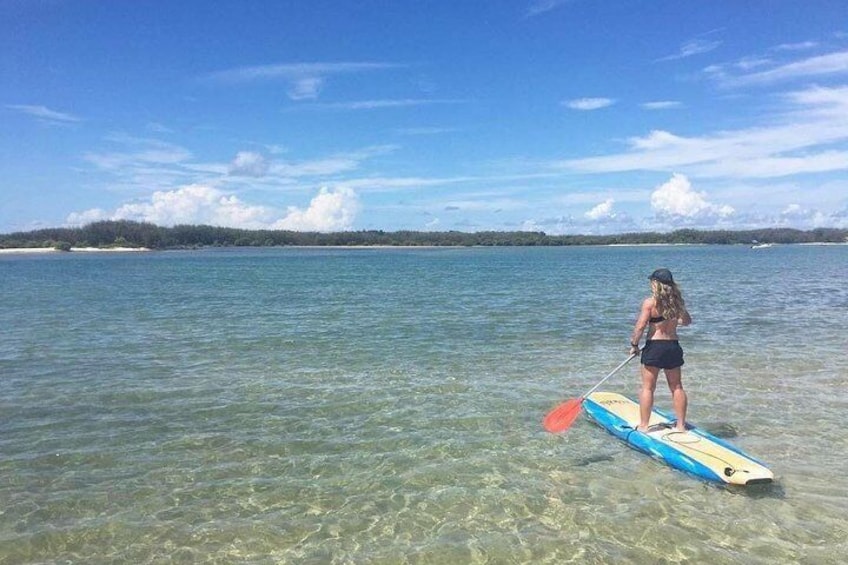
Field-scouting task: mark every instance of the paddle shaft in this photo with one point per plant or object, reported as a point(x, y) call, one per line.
point(603, 380)
point(560, 418)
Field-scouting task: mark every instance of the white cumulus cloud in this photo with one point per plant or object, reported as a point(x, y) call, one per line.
point(330, 210)
point(602, 211)
point(248, 164)
point(676, 197)
point(192, 204)
point(87, 217)
point(796, 215)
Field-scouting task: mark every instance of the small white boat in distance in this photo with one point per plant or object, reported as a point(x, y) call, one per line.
point(761, 245)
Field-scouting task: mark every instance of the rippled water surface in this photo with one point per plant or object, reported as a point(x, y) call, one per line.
point(385, 406)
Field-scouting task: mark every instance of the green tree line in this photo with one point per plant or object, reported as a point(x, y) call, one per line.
point(138, 234)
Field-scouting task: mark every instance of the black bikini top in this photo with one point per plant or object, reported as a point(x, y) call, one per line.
point(656, 319)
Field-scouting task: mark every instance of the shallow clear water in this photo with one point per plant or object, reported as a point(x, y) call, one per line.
point(385, 406)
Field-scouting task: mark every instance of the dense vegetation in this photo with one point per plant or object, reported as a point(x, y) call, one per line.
point(135, 234)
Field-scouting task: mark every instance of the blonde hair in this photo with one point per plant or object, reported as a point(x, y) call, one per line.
point(668, 299)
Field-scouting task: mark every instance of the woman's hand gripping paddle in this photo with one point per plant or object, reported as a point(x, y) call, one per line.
point(560, 418)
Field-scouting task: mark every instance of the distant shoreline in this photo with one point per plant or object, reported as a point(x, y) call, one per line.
point(113, 235)
point(37, 250)
point(51, 250)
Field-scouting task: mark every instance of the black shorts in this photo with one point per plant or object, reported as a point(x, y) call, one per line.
point(662, 353)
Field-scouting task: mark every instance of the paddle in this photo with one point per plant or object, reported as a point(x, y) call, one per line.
point(560, 418)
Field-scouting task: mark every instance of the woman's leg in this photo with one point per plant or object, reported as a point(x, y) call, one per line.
point(678, 396)
point(646, 395)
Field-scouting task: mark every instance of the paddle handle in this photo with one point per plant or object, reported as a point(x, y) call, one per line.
point(614, 371)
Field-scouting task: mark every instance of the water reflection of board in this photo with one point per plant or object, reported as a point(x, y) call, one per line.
point(693, 451)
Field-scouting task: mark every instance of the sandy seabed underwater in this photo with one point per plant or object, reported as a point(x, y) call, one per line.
point(385, 406)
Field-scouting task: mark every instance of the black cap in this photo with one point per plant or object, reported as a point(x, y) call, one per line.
point(663, 276)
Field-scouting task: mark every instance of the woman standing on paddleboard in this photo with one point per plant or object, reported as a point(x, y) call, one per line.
point(661, 313)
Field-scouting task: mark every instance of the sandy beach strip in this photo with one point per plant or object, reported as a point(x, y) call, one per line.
point(39, 250)
point(15, 250)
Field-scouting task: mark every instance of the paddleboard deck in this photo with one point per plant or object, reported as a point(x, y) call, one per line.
point(693, 451)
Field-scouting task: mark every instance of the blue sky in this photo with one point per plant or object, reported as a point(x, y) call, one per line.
point(566, 116)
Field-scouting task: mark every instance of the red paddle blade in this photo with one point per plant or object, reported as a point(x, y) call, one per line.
point(560, 418)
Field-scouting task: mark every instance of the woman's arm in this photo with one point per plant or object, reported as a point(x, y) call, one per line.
point(641, 323)
point(685, 319)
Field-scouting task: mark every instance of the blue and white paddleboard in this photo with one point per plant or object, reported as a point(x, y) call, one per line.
point(693, 451)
